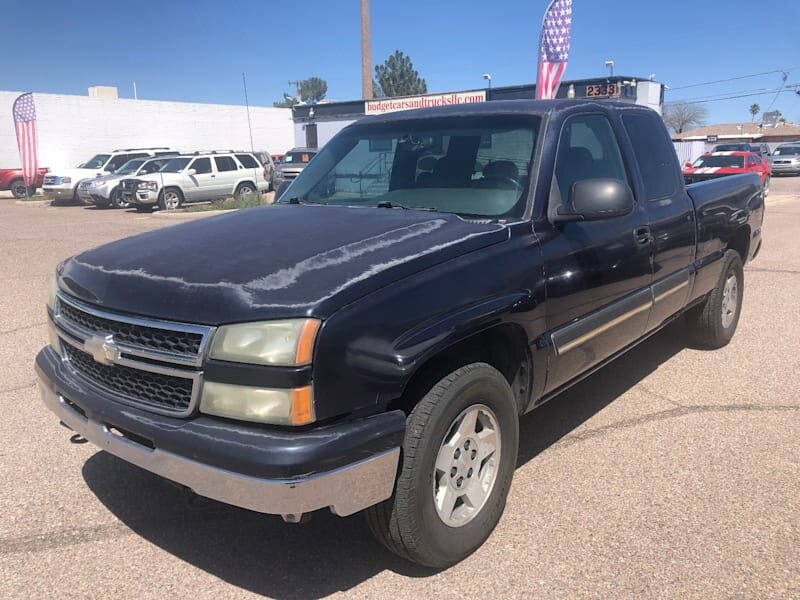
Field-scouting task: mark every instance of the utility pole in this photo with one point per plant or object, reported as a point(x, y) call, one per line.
point(296, 85)
point(366, 53)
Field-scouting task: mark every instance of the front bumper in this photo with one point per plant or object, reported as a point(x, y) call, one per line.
point(145, 197)
point(780, 169)
point(346, 467)
point(58, 193)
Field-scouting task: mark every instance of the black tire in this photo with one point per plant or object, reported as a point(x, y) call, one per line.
point(116, 199)
point(162, 203)
point(707, 326)
point(281, 189)
point(408, 523)
point(102, 203)
point(244, 189)
point(17, 188)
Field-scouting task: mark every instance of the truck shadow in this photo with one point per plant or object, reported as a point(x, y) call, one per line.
point(264, 555)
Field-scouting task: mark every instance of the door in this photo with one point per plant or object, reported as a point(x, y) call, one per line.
point(669, 210)
point(200, 185)
point(228, 175)
point(597, 273)
point(311, 135)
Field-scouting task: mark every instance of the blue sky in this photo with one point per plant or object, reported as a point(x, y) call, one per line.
point(196, 50)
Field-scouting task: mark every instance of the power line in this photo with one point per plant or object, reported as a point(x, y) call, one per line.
point(783, 83)
point(683, 87)
point(732, 97)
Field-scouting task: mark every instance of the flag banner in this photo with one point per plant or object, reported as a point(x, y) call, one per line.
point(25, 122)
point(554, 42)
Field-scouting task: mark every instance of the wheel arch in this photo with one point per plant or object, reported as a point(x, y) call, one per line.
point(740, 242)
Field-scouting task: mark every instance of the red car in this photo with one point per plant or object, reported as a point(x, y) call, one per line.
point(720, 164)
point(11, 179)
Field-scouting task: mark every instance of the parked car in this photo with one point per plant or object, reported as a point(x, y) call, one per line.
point(760, 149)
point(371, 342)
point(197, 177)
point(62, 184)
point(291, 165)
point(104, 191)
point(723, 164)
point(13, 181)
point(786, 159)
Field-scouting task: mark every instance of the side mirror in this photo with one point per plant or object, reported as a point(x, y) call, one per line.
point(191, 172)
point(596, 200)
point(688, 164)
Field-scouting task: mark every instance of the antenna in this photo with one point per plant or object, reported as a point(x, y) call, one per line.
point(247, 106)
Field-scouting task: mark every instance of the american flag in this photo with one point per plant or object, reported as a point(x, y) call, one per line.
point(553, 48)
point(25, 121)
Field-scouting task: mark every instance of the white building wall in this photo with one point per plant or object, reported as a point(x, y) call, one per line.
point(73, 128)
point(325, 131)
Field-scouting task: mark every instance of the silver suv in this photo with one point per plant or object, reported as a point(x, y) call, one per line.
point(197, 177)
point(785, 159)
point(104, 191)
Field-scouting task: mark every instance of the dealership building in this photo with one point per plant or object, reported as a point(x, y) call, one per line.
point(315, 124)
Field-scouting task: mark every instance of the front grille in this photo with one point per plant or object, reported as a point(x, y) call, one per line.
point(139, 336)
point(164, 392)
point(155, 365)
point(49, 180)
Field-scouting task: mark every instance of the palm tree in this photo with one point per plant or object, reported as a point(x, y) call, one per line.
point(754, 110)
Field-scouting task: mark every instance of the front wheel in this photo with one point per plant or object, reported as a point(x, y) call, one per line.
point(117, 201)
point(713, 323)
point(170, 199)
point(459, 455)
point(18, 189)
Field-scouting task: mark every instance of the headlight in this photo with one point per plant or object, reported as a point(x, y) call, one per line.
point(285, 343)
point(261, 405)
point(51, 293)
point(65, 180)
point(147, 185)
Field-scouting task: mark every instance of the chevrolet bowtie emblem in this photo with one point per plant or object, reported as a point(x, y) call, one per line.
point(102, 349)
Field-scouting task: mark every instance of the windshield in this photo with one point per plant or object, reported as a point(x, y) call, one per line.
point(731, 162)
point(130, 167)
point(787, 151)
point(298, 157)
point(96, 162)
point(470, 166)
point(174, 165)
point(732, 148)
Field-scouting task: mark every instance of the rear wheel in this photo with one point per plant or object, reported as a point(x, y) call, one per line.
point(244, 190)
point(17, 188)
point(459, 455)
point(170, 199)
point(713, 323)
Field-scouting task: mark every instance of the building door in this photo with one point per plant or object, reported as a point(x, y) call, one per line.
point(311, 135)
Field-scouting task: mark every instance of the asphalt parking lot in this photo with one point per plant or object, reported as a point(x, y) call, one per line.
point(672, 473)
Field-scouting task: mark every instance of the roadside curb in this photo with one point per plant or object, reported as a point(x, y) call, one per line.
point(32, 202)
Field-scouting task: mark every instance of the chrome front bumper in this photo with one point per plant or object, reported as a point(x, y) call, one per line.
point(345, 490)
point(53, 193)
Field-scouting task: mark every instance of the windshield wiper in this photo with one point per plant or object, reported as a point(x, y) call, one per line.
point(388, 204)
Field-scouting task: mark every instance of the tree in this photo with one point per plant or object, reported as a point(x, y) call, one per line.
point(754, 110)
point(313, 89)
point(682, 116)
point(397, 77)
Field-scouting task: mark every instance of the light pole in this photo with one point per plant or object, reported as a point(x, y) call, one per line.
point(488, 77)
point(610, 67)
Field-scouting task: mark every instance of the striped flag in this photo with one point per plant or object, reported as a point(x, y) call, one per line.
point(553, 48)
point(25, 122)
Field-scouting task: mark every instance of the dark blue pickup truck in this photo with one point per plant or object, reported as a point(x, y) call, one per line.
point(371, 341)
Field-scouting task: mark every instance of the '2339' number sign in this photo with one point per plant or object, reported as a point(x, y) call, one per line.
point(602, 90)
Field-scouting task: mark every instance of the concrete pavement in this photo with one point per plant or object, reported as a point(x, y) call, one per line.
point(672, 473)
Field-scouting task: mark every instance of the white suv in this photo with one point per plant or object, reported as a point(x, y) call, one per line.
point(62, 184)
point(197, 177)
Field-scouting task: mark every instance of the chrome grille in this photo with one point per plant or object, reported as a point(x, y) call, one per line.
point(144, 362)
point(164, 392)
point(49, 180)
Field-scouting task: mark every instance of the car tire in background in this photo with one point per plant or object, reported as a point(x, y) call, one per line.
point(116, 199)
point(712, 324)
point(281, 189)
point(458, 459)
point(170, 198)
point(17, 188)
point(243, 190)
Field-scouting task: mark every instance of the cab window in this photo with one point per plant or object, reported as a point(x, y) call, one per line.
point(225, 163)
point(654, 154)
point(587, 149)
point(201, 166)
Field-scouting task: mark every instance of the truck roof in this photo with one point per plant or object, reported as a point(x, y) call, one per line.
point(539, 107)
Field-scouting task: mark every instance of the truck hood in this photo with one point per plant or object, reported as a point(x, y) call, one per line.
point(269, 263)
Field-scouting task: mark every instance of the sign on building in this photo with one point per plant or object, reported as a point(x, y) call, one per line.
point(379, 107)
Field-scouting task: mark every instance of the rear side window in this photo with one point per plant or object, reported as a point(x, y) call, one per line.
point(119, 160)
point(654, 154)
point(225, 163)
point(587, 149)
point(201, 166)
point(247, 161)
